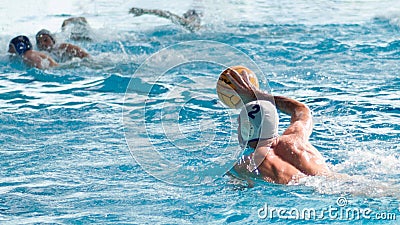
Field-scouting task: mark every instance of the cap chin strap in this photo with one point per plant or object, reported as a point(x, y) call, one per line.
point(261, 139)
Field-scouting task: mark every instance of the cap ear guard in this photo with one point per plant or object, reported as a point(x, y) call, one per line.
point(246, 129)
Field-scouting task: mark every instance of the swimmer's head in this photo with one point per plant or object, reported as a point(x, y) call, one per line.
point(191, 13)
point(19, 45)
point(78, 29)
point(45, 40)
point(74, 20)
point(258, 120)
point(194, 17)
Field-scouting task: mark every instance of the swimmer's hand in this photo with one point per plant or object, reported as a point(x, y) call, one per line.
point(136, 11)
point(245, 89)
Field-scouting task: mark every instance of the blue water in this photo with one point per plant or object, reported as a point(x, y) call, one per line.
point(72, 153)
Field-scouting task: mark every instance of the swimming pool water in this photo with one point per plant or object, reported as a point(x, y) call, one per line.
point(69, 156)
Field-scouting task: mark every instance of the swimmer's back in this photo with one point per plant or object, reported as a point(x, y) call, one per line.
point(299, 152)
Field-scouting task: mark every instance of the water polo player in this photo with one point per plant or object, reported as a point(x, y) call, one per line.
point(278, 159)
point(61, 51)
point(21, 46)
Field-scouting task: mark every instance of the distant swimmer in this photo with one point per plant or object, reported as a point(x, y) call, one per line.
point(279, 159)
point(77, 29)
point(22, 47)
point(62, 51)
point(190, 20)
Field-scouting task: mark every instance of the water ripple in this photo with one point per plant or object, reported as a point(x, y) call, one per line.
point(64, 156)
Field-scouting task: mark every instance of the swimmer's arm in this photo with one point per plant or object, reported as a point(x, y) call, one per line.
point(164, 14)
point(301, 119)
point(33, 60)
point(297, 110)
point(36, 59)
point(161, 13)
point(238, 180)
point(53, 63)
point(242, 167)
point(74, 50)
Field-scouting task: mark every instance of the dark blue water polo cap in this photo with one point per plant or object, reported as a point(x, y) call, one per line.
point(21, 44)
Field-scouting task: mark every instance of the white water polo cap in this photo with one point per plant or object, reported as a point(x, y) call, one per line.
point(258, 120)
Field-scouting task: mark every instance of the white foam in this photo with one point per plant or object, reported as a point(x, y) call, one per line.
point(24, 16)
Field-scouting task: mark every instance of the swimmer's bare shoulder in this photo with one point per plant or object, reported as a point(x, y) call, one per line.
point(39, 60)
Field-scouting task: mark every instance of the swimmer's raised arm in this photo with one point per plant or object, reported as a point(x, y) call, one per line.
point(301, 119)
